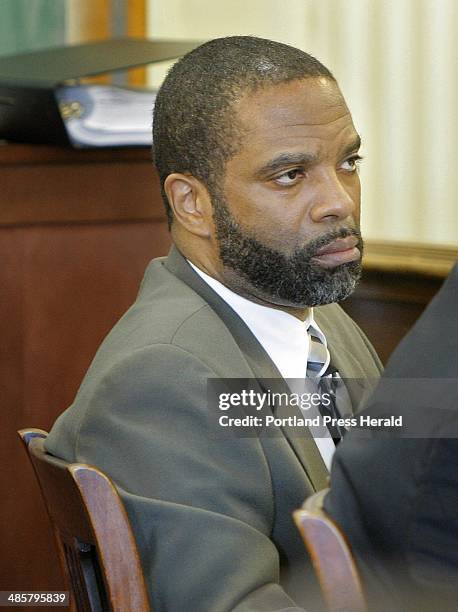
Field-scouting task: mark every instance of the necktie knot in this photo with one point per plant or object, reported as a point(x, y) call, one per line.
point(318, 357)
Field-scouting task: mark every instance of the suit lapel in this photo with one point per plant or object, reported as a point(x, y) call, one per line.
point(260, 363)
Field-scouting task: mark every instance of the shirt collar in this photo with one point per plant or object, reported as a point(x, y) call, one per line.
point(283, 336)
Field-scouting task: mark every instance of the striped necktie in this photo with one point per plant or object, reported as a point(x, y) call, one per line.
point(318, 357)
point(328, 381)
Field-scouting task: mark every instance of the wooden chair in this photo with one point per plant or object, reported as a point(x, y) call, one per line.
point(331, 557)
point(97, 550)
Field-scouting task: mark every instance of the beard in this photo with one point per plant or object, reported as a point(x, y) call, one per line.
point(288, 280)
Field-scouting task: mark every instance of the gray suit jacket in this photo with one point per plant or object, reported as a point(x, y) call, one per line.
point(211, 513)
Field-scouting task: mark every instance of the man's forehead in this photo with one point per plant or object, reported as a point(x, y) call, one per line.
point(313, 101)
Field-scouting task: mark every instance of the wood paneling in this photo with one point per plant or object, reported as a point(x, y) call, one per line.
point(29, 188)
point(77, 229)
point(386, 305)
point(410, 258)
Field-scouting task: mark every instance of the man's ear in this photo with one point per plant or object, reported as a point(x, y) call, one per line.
point(190, 202)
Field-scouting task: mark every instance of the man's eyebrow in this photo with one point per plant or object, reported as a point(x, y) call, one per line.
point(352, 146)
point(284, 160)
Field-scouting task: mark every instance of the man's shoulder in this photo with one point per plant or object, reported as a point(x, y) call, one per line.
point(166, 312)
point(163, 305)
point(334, 316)
point(170, 334)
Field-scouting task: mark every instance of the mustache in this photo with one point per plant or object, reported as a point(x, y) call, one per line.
point(315, 244)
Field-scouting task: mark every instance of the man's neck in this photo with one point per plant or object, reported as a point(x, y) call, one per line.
point(233, 282)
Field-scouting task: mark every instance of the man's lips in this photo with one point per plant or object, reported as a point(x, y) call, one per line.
point(337, 252)
point(341, 244)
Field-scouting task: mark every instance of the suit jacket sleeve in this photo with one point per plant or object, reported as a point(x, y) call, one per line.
point(200, 500)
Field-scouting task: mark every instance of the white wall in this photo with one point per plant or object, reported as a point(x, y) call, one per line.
point(396, 62)
point(206, 19)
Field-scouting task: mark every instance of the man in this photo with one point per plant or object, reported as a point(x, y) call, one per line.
point(257, 156)
point(396, 495)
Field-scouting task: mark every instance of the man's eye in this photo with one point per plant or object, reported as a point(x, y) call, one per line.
point(352, 163)
point(289, 178)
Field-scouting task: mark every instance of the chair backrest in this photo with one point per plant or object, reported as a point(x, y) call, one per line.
point(97, 549)
point(331, 557)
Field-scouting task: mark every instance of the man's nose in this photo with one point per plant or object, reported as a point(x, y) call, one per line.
point(333, 201)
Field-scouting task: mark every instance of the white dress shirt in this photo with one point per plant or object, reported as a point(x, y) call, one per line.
point(283, 336)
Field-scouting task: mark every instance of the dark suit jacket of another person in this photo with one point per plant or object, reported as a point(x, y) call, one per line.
point(211, 513)
point(397, 498)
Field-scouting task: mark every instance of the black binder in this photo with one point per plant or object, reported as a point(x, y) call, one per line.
point(29, 111)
